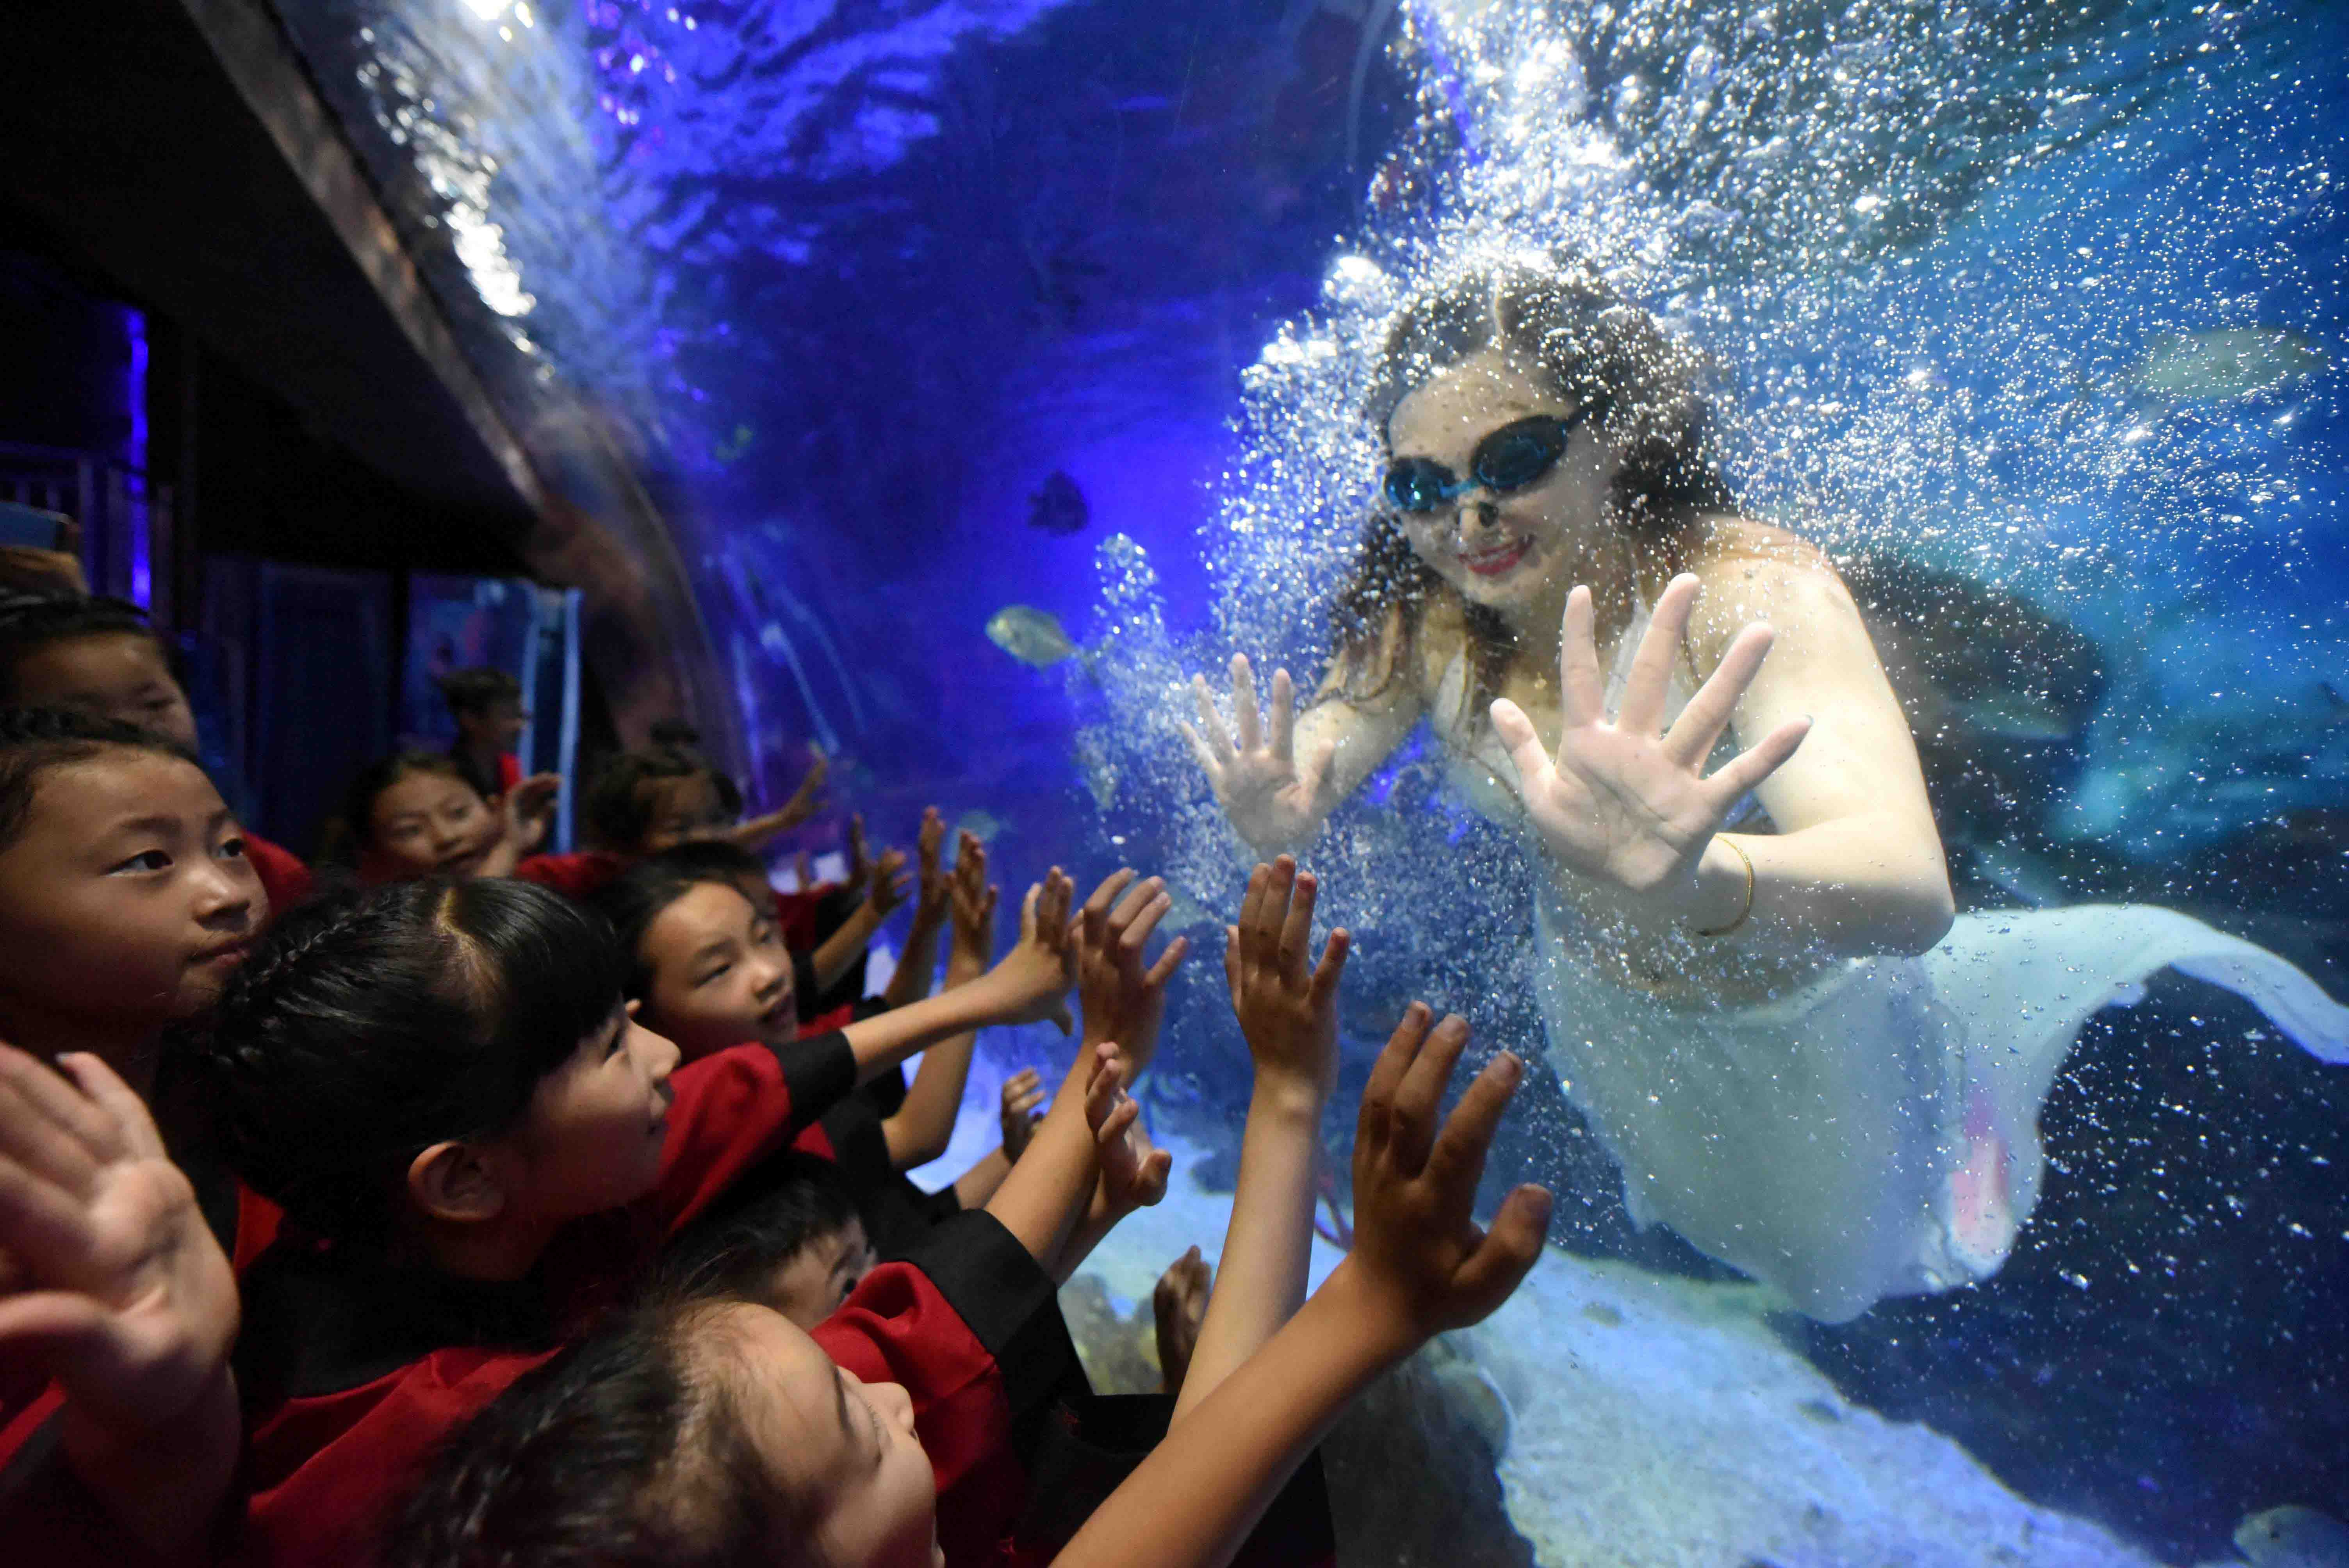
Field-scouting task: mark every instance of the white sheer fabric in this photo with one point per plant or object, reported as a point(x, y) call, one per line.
point(1875, 1133)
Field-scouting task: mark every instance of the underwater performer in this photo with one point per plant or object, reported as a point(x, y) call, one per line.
point(1751, 977)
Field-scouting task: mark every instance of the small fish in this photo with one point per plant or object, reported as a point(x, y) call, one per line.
point(1059, 508)
point(2293, 1537)
point(984, 826)
point(1035, 637)
point(2222, 366)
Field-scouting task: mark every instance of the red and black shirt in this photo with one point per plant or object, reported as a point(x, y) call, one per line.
point(354, 1367)
point(575, 876)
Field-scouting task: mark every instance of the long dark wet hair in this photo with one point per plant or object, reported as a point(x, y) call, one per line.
point(1561, 323)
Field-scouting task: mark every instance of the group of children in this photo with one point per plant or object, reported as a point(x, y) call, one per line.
point(496, 1207)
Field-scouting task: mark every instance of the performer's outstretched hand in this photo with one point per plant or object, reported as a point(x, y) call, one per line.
point(1271, 798)
point(1628, 803)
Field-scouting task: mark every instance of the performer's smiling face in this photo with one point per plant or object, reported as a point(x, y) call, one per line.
point(1496, 518)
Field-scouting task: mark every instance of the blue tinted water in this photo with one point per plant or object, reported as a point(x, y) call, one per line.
point(856, 278)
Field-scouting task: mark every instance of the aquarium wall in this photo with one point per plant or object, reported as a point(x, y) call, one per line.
point(993, 367)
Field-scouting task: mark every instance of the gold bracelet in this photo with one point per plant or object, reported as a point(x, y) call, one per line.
point(1723, 930)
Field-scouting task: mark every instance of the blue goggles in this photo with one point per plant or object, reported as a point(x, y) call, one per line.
point(1516, 456)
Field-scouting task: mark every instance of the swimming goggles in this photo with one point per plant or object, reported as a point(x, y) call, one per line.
point(1517, 454)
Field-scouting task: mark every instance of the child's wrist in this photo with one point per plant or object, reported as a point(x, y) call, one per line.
point(1288, 1092)
point(1372, 1309)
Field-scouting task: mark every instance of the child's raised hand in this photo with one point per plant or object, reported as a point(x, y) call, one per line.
point(1123, 999)
point(118, 1287)
point(886, 884)
point(860, 863)
point(1023, 1101)
point(1034, 978)
point(808, 798)
point(1288, 1012)
point(1179, 1304)
point(1420, 1258)
point(529, 809)
point(930, 876)
point(972, 905)
point(1133, 1172)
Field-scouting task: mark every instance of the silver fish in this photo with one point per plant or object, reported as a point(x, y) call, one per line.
point(1035, 637)
point(2222, 366)
point(984, 826)
point(2293, 1537)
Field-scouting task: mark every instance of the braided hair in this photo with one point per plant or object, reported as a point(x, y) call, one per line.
point(35, 740)
point(369, 1026)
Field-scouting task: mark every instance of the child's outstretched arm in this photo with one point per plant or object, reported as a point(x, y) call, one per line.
point(1118, 990)
point(1029, 984)
point(1420, 1265)
point(1133, 1170)
point(1023, 1097)
point(849, 940)
point(917, 965)
point(524, 814)
point(122, 1295)
point(1287, 1011)
point(923, 1125)
point(758, 832)
point(1052, 1187)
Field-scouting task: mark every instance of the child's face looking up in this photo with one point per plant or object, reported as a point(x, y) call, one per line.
point(110, 674)
point(428, 824)
point(126, 900)
point(809, 1286)
point(720, 975)
point(847, 1448)
point(592, 1140)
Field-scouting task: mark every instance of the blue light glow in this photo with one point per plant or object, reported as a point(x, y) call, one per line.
point(138, 521)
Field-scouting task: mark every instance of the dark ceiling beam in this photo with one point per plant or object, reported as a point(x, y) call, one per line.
point(180, 148)
point(127, 143)
point(253, 50)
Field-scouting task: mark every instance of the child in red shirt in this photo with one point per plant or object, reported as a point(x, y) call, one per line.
point(710, 970)
point(416, 814)
point(643, 801)
point(478, 1146)
point(718, 1432)
point(101, 656)
point(655, 798)
point(126, 901)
